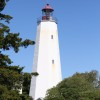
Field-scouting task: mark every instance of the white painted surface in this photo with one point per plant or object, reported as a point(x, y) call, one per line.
point(46, 50)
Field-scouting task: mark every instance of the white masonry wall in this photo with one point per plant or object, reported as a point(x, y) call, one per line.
point(46, 60)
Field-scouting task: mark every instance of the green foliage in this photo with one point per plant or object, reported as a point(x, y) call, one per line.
point(35, 74)
point(2, 4)
point(6, 94)
point(73, 86)
point(9, 40)
point(54, 94)
point(12, 79)
point(12, 40)
point(4, 60)
point(26, 83)
point(81, 86)
point(6, 18)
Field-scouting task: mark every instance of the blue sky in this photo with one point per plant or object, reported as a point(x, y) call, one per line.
point(78, 26)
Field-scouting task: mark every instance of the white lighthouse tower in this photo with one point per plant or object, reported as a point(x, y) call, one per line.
point(47, 56)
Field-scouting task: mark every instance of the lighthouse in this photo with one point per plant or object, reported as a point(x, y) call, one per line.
point(46, 56)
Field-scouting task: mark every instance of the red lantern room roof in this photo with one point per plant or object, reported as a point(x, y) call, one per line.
point(47, 8)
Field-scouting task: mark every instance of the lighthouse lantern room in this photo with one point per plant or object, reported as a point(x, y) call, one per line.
point(47, 12)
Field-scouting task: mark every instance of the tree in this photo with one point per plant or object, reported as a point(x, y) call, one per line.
point(26, 83)
point(9, 40)
point(11, 77)
point(81, 86)
point(8, 95)
point(54, 94)
point(2, 4)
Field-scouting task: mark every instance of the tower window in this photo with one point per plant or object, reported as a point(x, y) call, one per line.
point(52, 61)
point(51, 36)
